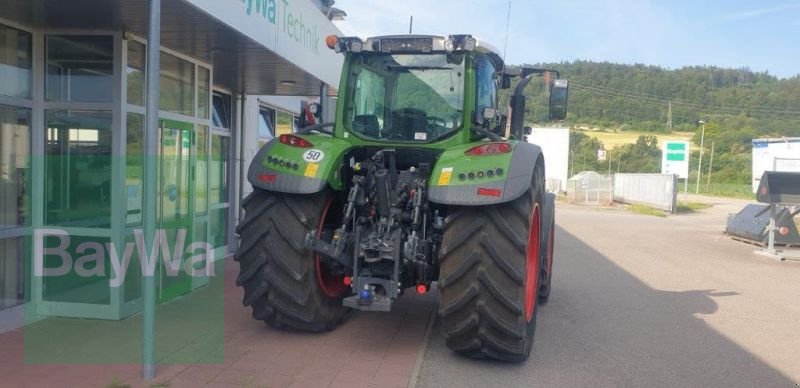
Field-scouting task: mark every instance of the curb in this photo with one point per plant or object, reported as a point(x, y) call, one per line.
point(412, 383)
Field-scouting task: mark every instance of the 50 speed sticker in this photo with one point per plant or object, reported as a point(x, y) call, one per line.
point(312, 156)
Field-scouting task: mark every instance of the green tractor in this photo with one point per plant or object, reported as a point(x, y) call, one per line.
point(417, 181)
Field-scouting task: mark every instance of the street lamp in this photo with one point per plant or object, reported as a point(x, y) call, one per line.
point(700, 160)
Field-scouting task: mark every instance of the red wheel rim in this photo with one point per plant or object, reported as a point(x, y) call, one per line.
point(331, 285)
point(533, 263)
point(550, 243)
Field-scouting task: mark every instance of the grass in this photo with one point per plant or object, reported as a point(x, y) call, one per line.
point(730, 190)
point(615, 139)
point(691, 207)
point(646, 210)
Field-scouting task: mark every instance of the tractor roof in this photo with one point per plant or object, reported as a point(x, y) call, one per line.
point(420, 44)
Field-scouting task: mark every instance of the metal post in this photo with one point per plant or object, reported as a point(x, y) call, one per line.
point(323, 102)
point(572, 164)
point(700, 161)
point(150, 171)
point(710, 163)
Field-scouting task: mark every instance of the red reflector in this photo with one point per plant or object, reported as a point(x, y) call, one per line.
point(269, 178)
point(347, 280)
point(490, 192)
point(421, 289)
point(489, 149)
point(783, 231)
point(294, 141)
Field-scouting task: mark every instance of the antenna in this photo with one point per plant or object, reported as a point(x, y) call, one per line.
point(505, 45)
point(410, 24)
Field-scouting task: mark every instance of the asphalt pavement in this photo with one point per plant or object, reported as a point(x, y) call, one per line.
point(646, 301)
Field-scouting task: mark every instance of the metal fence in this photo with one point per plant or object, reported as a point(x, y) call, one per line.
point(655, 190)
point(590, 188)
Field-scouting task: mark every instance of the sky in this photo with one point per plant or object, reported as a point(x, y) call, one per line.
point(762, 35)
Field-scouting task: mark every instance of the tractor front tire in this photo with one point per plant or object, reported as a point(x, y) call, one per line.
point(279, 276)
point(490, 276)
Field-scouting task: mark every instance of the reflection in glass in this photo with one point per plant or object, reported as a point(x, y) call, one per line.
point(15, 62)
point(177, 85)
point(203, 91)
point(174, 168)
point(219, 225)
point(133, 168)
point(284, 123)
point(222, 111)
point(15, 146)
point(218, 168)
point(201, 171)
point(266, 126)
point(12, 256)
point(80, 68)
point(136, 71)
point(78, 168)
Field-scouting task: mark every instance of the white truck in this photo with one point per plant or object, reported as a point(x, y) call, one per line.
point(555, 147)
point(775, 154)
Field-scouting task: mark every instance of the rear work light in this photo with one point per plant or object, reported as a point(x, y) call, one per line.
point(295, 141)
point(489, 149)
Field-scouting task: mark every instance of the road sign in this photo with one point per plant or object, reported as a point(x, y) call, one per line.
point(675, 158)
point(601, 155)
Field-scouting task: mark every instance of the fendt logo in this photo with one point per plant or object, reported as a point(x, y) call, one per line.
point(94, 256)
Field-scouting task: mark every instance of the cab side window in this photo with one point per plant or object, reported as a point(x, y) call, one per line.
point(486, 95)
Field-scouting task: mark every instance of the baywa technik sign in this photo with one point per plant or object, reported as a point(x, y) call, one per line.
point(293, 29)
point(291, 24)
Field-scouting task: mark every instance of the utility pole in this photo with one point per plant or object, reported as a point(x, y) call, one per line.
point(700, 160)
point(150, 182)
point(669, 117)
point(710, 163)
point(572, 164)
point(410, 24)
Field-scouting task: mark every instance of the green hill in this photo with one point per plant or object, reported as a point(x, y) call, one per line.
point(637, 97)
point(737, 105)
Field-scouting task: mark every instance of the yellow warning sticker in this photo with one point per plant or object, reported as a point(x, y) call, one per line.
point(311, 170)
point(444, 177)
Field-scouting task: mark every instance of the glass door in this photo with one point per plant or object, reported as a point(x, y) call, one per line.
point(176, 197)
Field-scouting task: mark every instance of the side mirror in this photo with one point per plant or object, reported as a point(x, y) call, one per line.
point(485, 116)
point(488, 114)
point(527, 131)
point(311, 113)
point(505, 83)
point(559, 93)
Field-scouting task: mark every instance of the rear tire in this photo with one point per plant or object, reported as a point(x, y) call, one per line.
point(547, 259)
point(490, 276)
point(279, 276)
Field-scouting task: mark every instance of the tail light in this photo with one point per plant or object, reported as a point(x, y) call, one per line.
point(489, 149)
point(295, 141)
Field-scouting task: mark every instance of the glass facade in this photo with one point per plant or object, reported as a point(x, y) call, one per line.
point(15, 62)
point(79, 68)
point(177, 85)
point(77, 189)
point(15, 145)
point(80, 168)
point(135, 73)
point(14, 207)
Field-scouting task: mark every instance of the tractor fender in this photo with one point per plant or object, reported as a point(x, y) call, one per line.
point(288, 169)
point(518, 169)
point(548, 214)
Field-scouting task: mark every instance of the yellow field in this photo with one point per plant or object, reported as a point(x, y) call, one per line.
point(615, 139)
